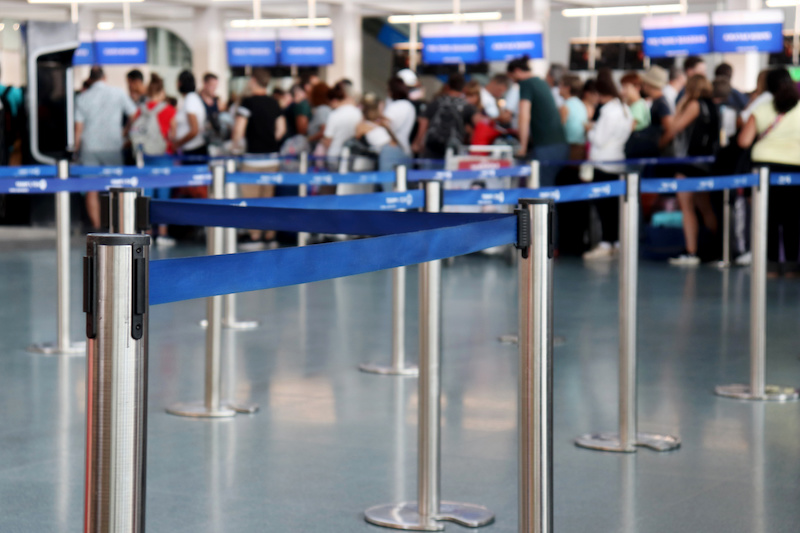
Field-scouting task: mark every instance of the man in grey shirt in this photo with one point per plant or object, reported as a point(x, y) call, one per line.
point(99, 114)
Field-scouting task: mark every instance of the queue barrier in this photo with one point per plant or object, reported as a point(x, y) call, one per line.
point(121, 283)
point(28, 171)
point(101, 183)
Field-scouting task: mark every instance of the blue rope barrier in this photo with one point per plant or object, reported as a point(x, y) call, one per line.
point(644, 161)
point(564, 194)
point(381, 201)
point(86, 171)
point(713, 183)
point(782, 179)
point(174, 280)
point(43, 171)
point(312, 178)
point(481, 174)
point(75, 185)
point(348, 222)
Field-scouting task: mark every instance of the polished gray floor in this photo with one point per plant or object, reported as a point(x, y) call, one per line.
point(330, 441)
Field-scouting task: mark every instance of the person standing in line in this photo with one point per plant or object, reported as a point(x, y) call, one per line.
point(190, 120)
point(574, 116)
point(607, 138)
point(342, 122)
point(758, 97)
point(100, 113)
point(136, 87)
point(401, 116)
point(692, 66)
point(541, 134)
point(774, 127)
point(490, 95)
point(320, 110)
point(416, 95)
point(553, 79)
point(654, 84)
point(695, 130)
point(208, 93)
point(632, 96)
point(675, 85)
point(260, 124)
point(447, 121)
point(736, 100)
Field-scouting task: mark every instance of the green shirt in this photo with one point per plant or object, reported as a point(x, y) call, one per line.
point(641, 115)
point(546, 127)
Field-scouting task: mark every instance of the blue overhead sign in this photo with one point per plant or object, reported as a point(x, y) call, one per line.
point(120, 47)
point(251, 48)
point(84, 54)
point(450, 44)
point(748, 31)
point(504, 41)
point(673, 36)
point(306, 46)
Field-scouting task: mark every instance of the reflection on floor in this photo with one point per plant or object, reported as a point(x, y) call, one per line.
point(331, 441)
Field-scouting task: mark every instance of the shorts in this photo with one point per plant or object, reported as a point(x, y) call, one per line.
point(108, 158)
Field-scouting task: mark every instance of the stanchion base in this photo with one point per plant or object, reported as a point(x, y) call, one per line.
point(513, 338)
point(199, 410)
point(772, 393)
point(609, 442)
point(237, 325)
point(406, 516)
point(374, 368)
point(51, 348)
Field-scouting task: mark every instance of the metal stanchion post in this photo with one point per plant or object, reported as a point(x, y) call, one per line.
point(536, 369)
point(428, 511)
point(125, 211)
point(213, 405)
point(62, 345)
point(229, 300)
point(726, 230)
point(398, 366)
point(116, 305)
point(757, 388)
point(302, 191)
point(628, 437)
point(534, 179)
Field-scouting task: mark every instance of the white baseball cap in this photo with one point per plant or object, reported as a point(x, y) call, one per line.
point(408, 77)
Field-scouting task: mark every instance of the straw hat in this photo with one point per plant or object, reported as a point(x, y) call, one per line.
point(656, 76)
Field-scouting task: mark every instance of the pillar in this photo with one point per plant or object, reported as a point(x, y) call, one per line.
point(208, 48)
point(541, 14)
point(745, 66)
point(347, 44)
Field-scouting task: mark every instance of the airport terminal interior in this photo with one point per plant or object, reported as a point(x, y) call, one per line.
point(364, 265)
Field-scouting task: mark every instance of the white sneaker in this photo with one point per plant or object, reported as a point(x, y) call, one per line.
point(162, 241)
point(686, 260)
point(600, 252)
point(745, 259)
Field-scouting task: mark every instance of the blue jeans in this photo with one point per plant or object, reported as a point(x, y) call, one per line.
point(389, 158)
point(543, 154)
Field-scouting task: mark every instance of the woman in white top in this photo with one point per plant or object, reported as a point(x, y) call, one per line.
point(190, 119)
point(342, 122)
point(400, 113)
point(607, 138)
point(376, 131)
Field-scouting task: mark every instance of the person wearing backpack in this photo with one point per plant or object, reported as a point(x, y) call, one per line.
point(695, 131)
point(446, 122)
point(150, 127)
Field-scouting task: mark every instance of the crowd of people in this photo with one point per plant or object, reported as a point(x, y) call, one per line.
point(563, 116)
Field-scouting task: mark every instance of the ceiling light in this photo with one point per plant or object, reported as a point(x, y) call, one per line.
point(445, 17)
point(82, 1)
point(782, 3)
point(279, 23)
point(622, 10)
point(105, 25)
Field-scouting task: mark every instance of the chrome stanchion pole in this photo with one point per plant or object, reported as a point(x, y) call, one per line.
point(427, 513)
point(116, 305)
point(213, 405)
point(302, 191)
point(757, 388)
point(62, 345)
point(398, 366)
point(726, 230)
point(628, 437)
point(534, 180)
point(123, 210)
point(536, 368)
point(229, 320)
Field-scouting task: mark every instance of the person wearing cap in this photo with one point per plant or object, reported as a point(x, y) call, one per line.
point(653, 83)
point(416, 95)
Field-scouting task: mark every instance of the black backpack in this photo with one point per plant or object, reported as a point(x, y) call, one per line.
point(705, 130)
point(447, 124)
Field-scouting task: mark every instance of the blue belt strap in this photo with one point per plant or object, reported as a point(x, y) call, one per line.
point(306, 220)
point(716, 183)
point(47, 186)
point(28, 171)
point(782, 179)
point(174, 280)
point(381, 201)
point(83, 171)
point(312, 178)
